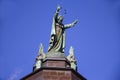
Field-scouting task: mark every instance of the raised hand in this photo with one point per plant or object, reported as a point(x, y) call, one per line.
point(58, 7)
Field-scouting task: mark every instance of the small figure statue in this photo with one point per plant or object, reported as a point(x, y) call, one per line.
point(39, 59)
point(57, 40)
point(72, 60)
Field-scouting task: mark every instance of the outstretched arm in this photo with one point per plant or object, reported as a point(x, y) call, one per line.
point(70, 25)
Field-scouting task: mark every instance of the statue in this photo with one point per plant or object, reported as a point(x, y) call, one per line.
point(57, 39)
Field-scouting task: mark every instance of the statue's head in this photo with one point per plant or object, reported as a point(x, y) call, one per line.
point(60, 18)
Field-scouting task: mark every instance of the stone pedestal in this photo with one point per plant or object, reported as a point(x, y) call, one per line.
point(54, 69)
point(56, 62)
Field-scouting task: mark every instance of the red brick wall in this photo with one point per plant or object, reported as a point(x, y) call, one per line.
point(56, 75)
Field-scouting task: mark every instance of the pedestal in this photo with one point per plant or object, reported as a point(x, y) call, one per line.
point(54, 69)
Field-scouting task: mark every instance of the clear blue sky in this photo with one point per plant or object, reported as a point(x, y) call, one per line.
point(24, 24)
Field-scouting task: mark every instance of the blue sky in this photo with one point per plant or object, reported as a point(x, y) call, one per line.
point(24, 24)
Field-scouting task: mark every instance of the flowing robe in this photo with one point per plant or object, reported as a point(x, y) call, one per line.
point(57, 39)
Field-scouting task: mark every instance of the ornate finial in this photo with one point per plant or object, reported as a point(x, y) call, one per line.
point(71, 58)
point(41, 53)
point(40, 49)
point(39, 58)
point(71, 51)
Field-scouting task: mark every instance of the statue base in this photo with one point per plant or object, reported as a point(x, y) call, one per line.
point(55, 54)
point(56, 62)
point(54, 69)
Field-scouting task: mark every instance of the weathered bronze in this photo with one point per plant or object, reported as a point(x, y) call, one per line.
point(57, 39)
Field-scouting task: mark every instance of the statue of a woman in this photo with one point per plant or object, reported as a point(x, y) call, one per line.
point(57, 40)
